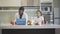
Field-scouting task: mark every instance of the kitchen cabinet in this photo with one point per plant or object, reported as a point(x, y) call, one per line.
point(30, 2)
point(28, 31)
point(23, 2)
point(36, 3)
point(33, 3)
point(20, 3)
point(10, 3)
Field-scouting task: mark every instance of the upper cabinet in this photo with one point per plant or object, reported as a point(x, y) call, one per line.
point(19, 2)
point(33, 2)
point(36, 3)
point(10, 3)
point(23, 2)
point(30, 2)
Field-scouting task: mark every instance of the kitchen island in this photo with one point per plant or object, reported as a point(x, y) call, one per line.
point(47, 28)
point(9, 26)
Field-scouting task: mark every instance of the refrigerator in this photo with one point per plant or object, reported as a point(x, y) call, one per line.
point(57, 15)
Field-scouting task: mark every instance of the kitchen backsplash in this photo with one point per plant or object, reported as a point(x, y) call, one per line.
point(5, 16)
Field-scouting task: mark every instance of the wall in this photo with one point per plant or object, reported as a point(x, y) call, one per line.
point(5, 16)
point(56, 3)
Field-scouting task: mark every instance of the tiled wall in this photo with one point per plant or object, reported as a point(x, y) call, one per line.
point(5, 16)
point(31, 11)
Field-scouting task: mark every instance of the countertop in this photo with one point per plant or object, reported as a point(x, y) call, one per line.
point(9, 26)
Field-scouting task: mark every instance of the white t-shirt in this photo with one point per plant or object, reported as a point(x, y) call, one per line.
point(39, 20)
point(23, 16)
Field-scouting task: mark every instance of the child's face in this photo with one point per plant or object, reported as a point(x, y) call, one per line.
point(38, 14)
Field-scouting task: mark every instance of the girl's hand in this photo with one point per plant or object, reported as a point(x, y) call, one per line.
point(43, 22)
point(35, 23)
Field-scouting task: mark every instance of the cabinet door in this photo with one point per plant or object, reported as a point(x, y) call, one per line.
point(28, 31)
point(24, 2)
point(33, 2)
point(30, 2)
point(11, 3)
point(36, 3)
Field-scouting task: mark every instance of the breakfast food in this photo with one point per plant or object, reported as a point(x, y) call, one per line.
point(29, 22)
point(35, 23)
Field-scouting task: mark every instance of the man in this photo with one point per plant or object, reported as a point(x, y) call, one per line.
point(21, 14)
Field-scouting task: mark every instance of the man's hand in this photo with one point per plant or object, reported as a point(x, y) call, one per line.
point(13, 22)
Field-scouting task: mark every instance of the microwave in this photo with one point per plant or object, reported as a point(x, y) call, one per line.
point(45, 9)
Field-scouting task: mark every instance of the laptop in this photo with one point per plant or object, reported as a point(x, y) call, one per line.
point(21, 21)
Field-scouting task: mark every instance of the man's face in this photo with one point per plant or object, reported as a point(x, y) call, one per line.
point(21, 12)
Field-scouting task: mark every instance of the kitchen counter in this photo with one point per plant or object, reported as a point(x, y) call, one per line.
point(9, 26)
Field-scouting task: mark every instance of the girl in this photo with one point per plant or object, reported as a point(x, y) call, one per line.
point(39, 18)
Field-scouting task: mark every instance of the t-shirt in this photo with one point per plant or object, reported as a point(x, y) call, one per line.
point(39, 20)
point(23, 16)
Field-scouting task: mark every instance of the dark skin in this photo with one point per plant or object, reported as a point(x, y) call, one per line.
point(21, 13)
